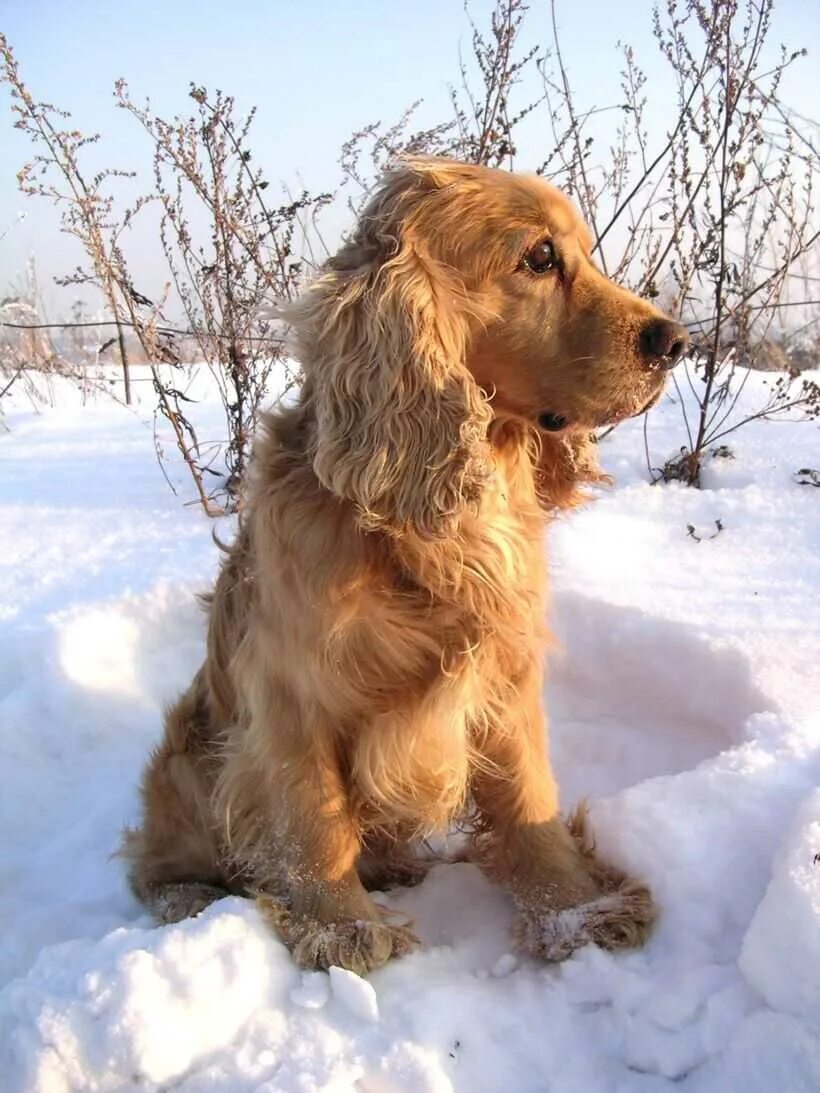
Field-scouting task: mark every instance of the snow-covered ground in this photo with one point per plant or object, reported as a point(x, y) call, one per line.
point(684, 705)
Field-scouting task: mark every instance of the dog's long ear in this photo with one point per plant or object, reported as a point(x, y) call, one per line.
point(400, 423)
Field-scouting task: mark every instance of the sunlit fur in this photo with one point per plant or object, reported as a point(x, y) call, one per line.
point(376, 634)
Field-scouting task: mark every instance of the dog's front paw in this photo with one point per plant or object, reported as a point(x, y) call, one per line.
point(620, 919)
point(360, 945)
point(176, 901)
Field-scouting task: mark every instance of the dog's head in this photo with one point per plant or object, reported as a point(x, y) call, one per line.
point(464, 294)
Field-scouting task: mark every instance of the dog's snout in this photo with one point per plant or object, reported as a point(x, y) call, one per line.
point(664, 342)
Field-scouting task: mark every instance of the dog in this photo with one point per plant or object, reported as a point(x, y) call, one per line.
point(376, 633)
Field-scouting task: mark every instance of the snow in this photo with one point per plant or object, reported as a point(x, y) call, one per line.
point(684, 703)
point(354, 993)
point(783, 973)
point(313, 992)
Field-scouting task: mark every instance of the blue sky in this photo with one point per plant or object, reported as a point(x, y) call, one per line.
point(316, 71)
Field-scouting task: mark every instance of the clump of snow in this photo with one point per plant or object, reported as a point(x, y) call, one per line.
point(313, 992)
point(505, 964)
point(683, 705)
point(354, 993)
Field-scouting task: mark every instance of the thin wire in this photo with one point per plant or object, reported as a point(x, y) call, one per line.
point(278, 340)
point(157, 330)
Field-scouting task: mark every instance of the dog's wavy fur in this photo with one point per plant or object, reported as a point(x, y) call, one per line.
point(376, 634)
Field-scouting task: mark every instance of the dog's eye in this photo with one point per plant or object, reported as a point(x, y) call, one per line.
point(541, 258)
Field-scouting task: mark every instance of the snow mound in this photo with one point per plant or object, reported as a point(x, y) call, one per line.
point(138, 1003)
point(781, 950)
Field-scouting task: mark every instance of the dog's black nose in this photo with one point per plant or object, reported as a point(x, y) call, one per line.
point(664, 342)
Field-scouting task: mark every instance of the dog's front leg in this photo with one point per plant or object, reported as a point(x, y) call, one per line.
point(566, 896)
point(306, 882)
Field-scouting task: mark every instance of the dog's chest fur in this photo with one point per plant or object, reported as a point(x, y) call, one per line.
point(474, 600)
point(434, 652)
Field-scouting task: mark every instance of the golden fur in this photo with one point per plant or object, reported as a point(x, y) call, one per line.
point(376, 633)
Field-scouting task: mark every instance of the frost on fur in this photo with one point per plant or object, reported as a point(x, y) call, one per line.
point(358, 945)
point(621, 917)
point(175, 902)
point(621, 920)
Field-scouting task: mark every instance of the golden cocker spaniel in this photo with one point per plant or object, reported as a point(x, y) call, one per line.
point(376, 633)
